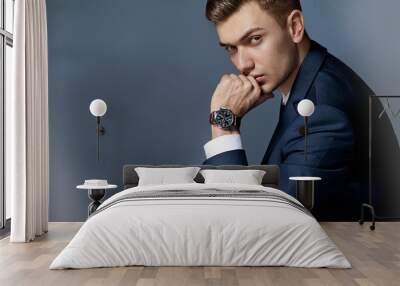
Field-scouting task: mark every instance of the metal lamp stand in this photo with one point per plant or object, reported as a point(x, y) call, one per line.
point(369, 204)
point(99, 132)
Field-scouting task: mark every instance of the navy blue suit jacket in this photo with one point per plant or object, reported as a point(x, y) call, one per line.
point(337, 141)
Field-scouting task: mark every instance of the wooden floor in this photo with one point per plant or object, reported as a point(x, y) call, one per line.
point(375, 257)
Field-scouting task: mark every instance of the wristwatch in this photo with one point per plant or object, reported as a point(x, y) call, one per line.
point(224, 118)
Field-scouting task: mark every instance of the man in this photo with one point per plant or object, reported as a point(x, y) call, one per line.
point(267, 42)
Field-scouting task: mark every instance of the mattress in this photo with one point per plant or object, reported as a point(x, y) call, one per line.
point(201, 225)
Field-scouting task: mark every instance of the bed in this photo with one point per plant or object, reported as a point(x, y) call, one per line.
point(201, 224)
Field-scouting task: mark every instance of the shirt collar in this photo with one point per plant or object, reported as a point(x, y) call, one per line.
point(285, 97)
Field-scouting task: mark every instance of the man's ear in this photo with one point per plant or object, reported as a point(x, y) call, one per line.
point(295, 24)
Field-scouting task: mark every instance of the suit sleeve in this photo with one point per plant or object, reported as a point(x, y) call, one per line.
point(233, 157)
point(225, 150)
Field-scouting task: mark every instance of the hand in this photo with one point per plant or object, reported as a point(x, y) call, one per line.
point(239, 93)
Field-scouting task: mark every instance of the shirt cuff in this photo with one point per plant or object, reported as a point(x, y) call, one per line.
point(222, 144)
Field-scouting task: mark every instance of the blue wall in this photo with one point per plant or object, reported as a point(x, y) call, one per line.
point(156, 64)
point(364, 34)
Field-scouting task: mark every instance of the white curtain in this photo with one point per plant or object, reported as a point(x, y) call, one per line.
point(27, 158)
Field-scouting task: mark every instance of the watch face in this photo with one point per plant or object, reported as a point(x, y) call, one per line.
point(224, 118)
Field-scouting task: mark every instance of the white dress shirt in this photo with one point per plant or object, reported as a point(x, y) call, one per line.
point(227, 143)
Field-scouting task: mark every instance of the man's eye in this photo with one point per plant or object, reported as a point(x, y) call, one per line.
point(255, 39)
point(229, 49)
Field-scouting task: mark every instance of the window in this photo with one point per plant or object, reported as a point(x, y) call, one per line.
point(6, 63)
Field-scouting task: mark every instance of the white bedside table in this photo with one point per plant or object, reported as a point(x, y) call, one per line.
point(305, 190)
point(96, 191)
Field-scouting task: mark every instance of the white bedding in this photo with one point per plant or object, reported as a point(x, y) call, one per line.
point(200, 231)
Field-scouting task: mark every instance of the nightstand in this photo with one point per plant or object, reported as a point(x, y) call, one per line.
point(305, 190)
point(96, 191)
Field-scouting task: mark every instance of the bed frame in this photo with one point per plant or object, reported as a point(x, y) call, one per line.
point(130, 178)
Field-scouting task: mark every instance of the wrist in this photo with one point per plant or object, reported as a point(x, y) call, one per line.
point(217, 131)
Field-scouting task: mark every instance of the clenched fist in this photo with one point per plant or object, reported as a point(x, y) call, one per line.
point(239, 93)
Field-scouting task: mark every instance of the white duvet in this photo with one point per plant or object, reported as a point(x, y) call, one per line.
point(200, 231)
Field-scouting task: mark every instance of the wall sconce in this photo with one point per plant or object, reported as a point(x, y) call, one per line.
point(98, 108)
point(305, 108)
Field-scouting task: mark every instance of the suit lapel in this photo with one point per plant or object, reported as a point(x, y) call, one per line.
point(302, 84)
point(275, 134)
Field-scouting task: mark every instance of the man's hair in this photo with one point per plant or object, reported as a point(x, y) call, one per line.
point(218, 11)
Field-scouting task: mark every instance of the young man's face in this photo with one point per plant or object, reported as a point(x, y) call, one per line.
point(258, 46)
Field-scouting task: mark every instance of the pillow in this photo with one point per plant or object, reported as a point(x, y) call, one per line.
point(248, 177)
point(162, 176)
